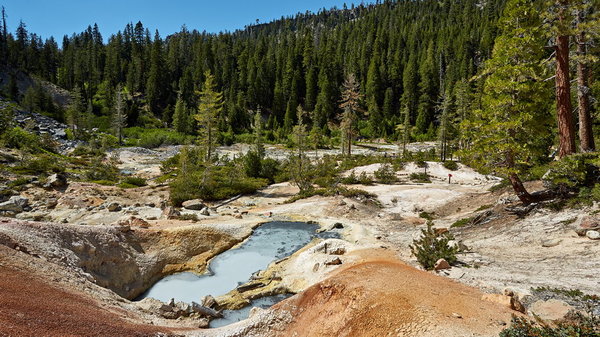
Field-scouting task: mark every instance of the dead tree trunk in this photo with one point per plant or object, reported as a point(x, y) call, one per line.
point(586, 135)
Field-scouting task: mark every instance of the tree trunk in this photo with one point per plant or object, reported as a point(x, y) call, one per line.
point(566, 127)
point(586, 135)
point(520, 189)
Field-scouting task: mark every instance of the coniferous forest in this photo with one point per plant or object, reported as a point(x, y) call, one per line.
point(473, 75)
point(405, 56)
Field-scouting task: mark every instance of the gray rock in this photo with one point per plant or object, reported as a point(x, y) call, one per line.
point(551, 243)
point(194, 205)
point(593, 235)
point(205, 211)
point(114, 207)
point(15, 204)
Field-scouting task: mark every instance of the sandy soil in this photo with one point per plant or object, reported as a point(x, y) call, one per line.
point(381, 296)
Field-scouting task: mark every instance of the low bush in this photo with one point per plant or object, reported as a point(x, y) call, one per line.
point(386, 174)
point(152, 138)
point(461, 223)
point(432, 247)
point(426, 215)
point(17, 138)
point(40, 164)
point(100, 170)
point(214, 183)
point(134, 181)
point(574, 325)
point(420, 177)
point(450, 165)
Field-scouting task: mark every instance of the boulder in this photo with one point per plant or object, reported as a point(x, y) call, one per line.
point(133, 221)
point(113, 207)
point(550, 310)
point(194, 205)
point(171, 213)
point(593, 235)
point(56, 180)
point(587, 223)
point(15, 204)
point(590, 222)
point(441, 264)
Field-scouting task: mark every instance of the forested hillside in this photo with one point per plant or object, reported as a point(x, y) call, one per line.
point(405, 55)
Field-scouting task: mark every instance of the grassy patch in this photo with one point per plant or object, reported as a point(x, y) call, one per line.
point(461, 222)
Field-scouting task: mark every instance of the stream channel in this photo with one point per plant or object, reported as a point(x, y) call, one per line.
point(269, 242)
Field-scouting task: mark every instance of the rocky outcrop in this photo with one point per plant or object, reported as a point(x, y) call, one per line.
point(125, 261)
point(194, 205)
point(15, 204)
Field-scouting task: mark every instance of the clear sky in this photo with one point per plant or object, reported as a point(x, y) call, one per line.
point(59, 17)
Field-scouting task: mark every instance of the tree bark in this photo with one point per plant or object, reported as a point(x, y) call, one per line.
point(520, 189)
point(566, 127)
point(586, 135)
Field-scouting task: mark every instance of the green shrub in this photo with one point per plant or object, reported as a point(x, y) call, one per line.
point(450, 165)
point(152, 138)
point(214, 183)
point(102, 171)
point(461, 222)
point(420, 177)
point(386, 174)
point(426, 215)
point(40, 164)
point(432, 247)
point(574, 325)
point(135, 181)
point(572, 172)
point(19, 182)
point(87, 151)
point(17, 138)
point(103, 182)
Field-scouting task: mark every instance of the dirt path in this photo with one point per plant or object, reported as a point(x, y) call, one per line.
point(384, 297)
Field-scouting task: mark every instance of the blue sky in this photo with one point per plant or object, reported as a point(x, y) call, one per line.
point(59, 17)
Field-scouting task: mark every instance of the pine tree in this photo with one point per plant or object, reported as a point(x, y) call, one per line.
point(513, 100)
point(299, 163)
point(76, 113)
point(119, 121)
point(350, 105)
point(181, 117)
point(209, 108)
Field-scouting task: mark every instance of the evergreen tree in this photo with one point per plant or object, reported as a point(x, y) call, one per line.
point(209, 108)
point(119, 121)
point(76, 113)
point(181, 117)
point(513, 97)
